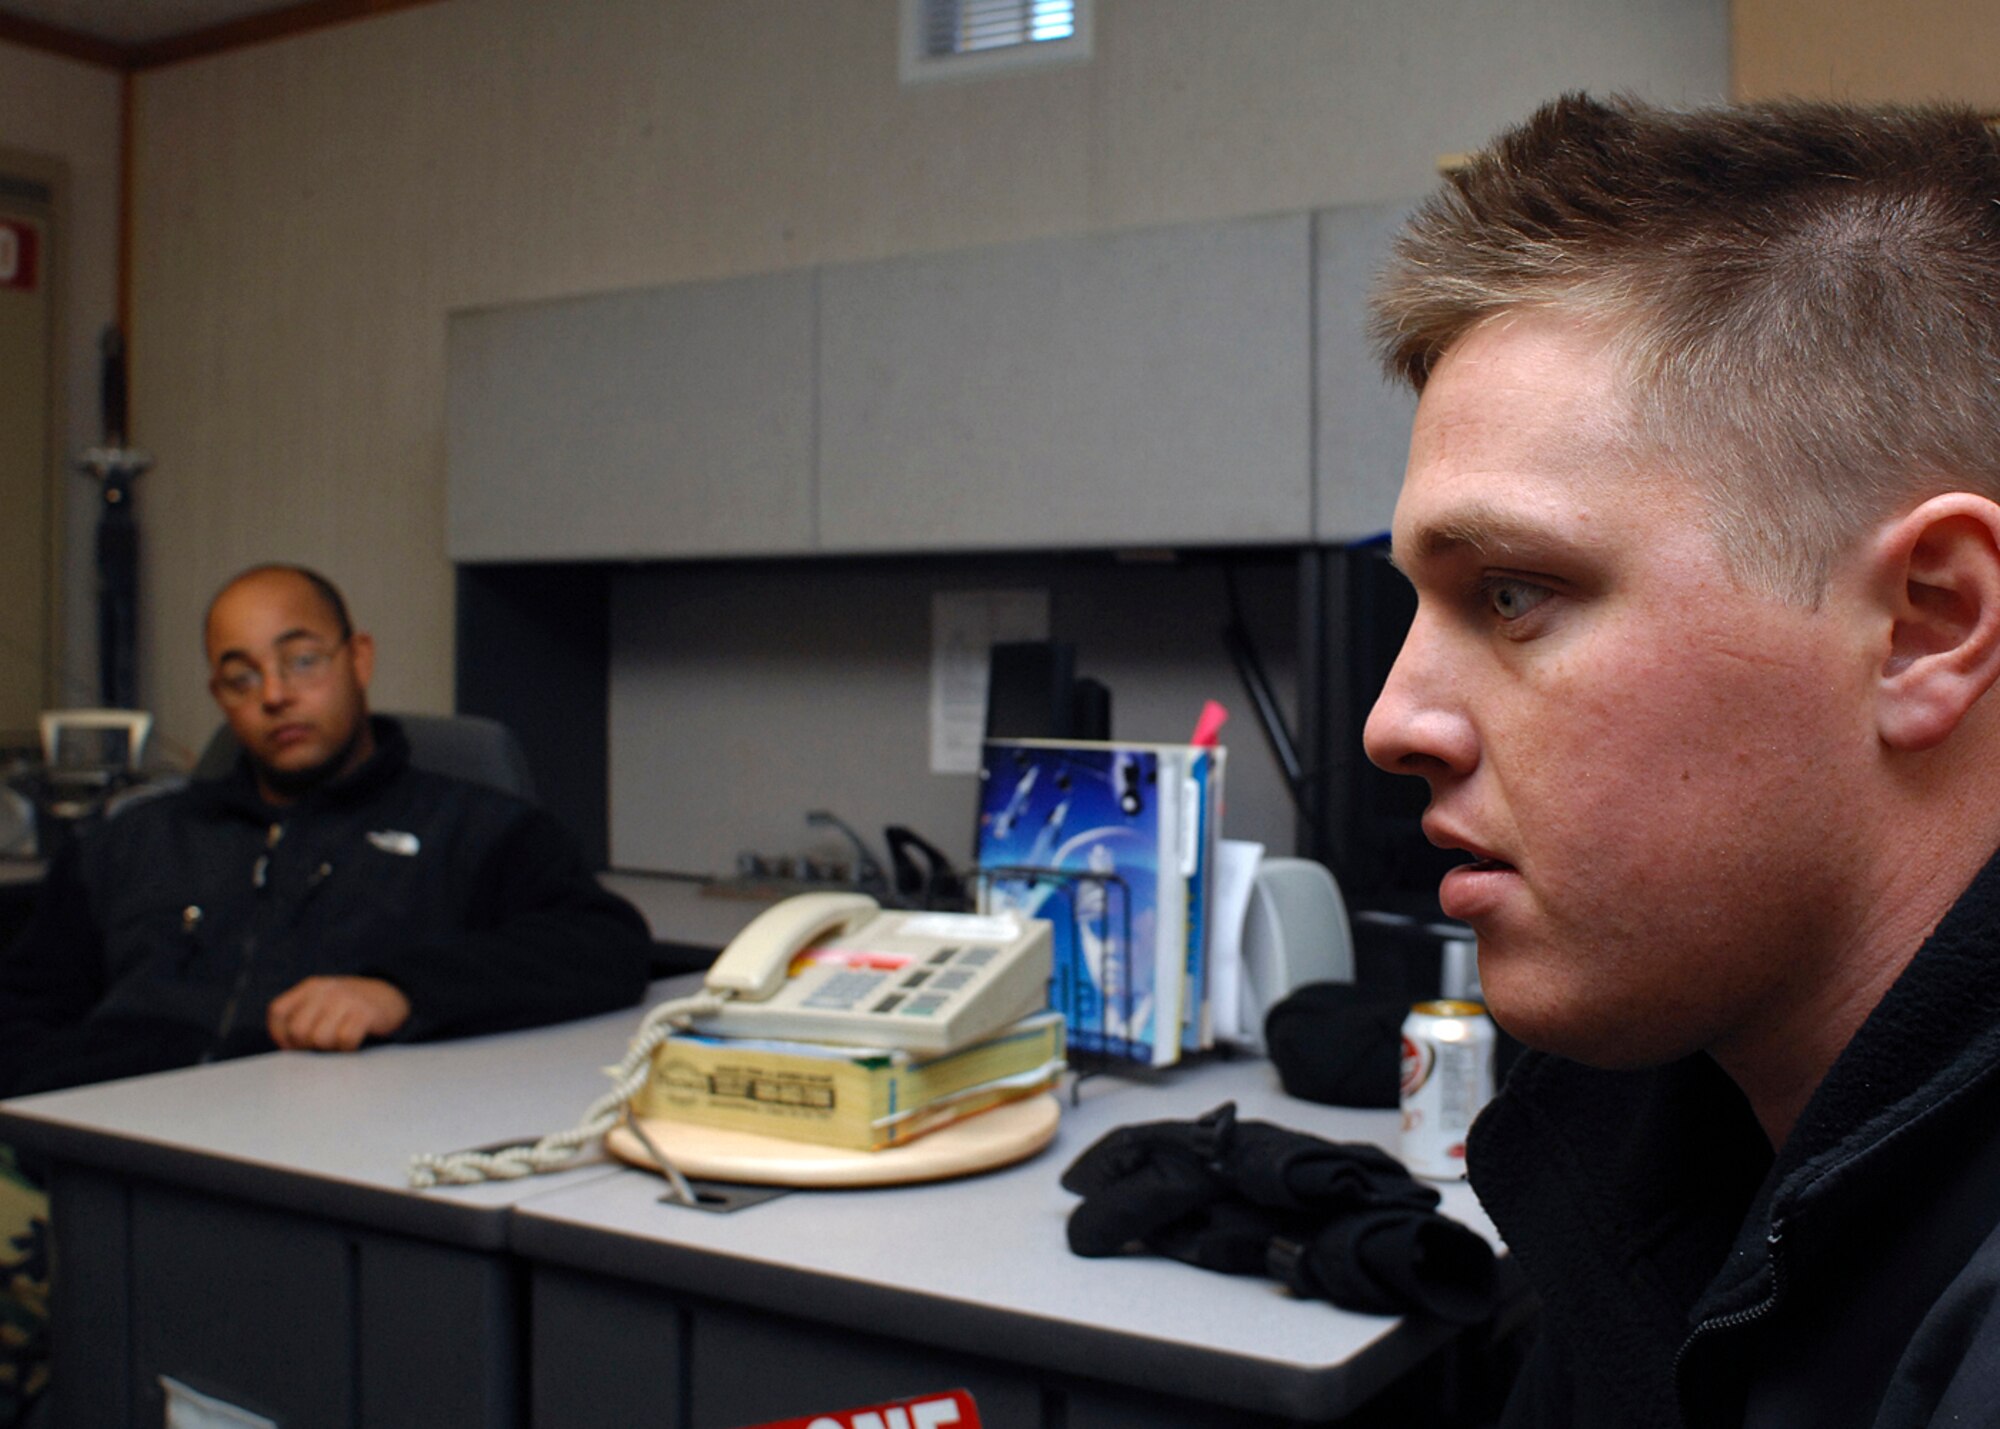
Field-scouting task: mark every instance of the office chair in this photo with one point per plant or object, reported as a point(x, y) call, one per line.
point(469, 747)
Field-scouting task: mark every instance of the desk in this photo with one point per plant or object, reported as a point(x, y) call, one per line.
point(826, 1299)
point(245, 1228)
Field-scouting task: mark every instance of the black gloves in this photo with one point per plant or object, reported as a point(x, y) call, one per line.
point(1344, 1222)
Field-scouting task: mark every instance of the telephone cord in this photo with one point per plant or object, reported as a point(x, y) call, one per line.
point(559, 1148)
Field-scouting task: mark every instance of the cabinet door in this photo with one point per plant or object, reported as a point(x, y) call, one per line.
point(673, 421)
point(1135, 389)
point(1361, 435)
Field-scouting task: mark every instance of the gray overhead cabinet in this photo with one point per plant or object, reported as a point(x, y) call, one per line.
point(1200, 385)
point(662, 422)
point(1361, 424)
point(1150, 388)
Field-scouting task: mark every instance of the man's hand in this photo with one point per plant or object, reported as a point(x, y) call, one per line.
point(335, 1014)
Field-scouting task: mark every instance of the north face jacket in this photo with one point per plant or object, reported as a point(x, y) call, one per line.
point(163, 935)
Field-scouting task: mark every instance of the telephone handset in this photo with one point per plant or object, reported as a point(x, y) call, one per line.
point(835, 967)
point(756, 961)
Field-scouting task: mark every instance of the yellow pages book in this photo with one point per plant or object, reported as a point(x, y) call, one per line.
point(866, 1098)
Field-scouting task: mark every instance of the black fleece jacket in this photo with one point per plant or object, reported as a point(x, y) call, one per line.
point(1690, 1277)
point(161, 937)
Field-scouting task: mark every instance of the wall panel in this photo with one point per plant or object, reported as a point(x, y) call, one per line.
point(1860, 49)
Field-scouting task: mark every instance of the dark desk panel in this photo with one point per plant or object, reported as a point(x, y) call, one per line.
point(246, 1229)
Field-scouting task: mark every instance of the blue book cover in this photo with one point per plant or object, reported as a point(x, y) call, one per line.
point(1090, 837)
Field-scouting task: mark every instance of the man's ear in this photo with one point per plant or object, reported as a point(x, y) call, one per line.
point(361, 650)
point(1939, 570)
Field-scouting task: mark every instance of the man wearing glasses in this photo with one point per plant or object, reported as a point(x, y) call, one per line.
point(324, 895)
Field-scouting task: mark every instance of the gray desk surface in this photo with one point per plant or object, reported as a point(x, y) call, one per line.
point(332, 1135)
point(981, 1265)
point(978, 1265)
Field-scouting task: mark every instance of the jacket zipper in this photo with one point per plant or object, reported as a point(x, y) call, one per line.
point(191, 917)
point(1737, 1319)
point(260, 879)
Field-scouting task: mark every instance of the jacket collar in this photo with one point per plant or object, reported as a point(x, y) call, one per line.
point(236, 792)
point(1934, 1034)
point(1932, 1040)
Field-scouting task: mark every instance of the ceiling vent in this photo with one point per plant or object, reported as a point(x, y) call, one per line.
point(965, 39)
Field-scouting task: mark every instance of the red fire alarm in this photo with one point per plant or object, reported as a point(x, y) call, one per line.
point(20, 255)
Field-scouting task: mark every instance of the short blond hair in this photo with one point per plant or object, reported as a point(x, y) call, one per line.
point(1805, 298)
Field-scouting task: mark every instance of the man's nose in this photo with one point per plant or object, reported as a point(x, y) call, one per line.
point(1418, 725)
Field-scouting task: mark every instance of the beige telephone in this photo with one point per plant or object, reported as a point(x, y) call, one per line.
point(835, 967)
point(819, 967)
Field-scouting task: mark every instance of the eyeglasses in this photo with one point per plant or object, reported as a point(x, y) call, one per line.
point(300, 669)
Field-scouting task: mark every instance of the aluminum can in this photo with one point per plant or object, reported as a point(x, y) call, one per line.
point(1447, 1077)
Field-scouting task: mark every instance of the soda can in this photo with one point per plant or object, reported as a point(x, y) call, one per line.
point(1447, 1077)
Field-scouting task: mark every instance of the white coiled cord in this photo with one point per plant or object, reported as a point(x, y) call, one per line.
point(559, 1148)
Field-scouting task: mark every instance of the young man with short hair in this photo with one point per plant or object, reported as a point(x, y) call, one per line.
point(1703, 515)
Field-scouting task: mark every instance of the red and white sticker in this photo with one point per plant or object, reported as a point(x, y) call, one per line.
point(20, 255)
point(930, 1411)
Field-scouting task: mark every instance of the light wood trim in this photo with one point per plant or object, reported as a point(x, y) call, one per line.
point(127, 137)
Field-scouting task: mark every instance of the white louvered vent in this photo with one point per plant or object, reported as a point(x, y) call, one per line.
point(965, 38)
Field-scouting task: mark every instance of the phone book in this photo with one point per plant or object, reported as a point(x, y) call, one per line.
point(1111, 843)
point(863, 1098)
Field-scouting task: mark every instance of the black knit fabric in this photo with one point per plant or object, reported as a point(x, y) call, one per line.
point(1342, 1222)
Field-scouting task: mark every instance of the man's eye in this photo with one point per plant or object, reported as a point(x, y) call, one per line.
point(1512, 599)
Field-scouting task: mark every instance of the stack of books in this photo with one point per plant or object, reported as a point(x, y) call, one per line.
point(862, 1098)
point(1114, 844)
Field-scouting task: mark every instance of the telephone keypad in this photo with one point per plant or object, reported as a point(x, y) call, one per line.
point(847, 988)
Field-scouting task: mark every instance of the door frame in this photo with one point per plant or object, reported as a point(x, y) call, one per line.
point(34, 176)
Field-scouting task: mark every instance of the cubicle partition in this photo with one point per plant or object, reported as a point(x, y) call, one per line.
point(533, 647)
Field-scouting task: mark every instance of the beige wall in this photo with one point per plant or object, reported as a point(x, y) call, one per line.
point(308, 211)
point(1868, 50)
point(66, 113)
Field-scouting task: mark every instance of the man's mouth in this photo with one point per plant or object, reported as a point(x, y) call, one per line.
point(1478, 888)
point(1479, 857)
